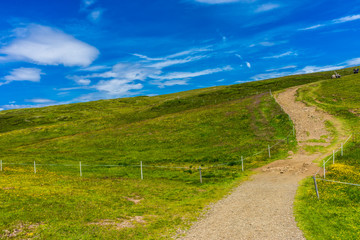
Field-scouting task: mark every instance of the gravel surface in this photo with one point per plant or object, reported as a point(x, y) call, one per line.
point(262, 208)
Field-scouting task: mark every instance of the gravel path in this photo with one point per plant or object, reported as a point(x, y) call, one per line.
point(262, 208)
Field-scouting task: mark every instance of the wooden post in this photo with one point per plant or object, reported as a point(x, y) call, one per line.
point(1, 165)
point(287, 139)
point(269, 151)
point(324, 169)
point(316, 188)
point(200, 175)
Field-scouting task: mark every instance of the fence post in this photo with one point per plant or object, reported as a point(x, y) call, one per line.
point(200, 175)
point(293, 130)
point(80, 170)
point(342, 149)
point(34, 167)
point(269, 151)
point(1, 165)
point(324, 169)
point(316, 188)
point(333, 156)
point(141, 170)
point(242, 163)
point(287, 139)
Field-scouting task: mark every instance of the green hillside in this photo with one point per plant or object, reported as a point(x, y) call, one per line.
point(336, 215)
point(171, 134)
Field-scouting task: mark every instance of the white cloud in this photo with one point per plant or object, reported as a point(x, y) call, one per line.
point(169, 83)
point(95, 15)
point(88, 3)
point(239, 56)
point(39, 100)
point(216, 1)
point(167, 63)
point(184, 75)
point(79, 80)
point(23, 74)
point(267, 7)
point(289, 53)
point(248, 64)
point(334, 21)
point(312, 27)
point(117, 87)
point(282, 68)
point(48, 46)
point(312, 69)
point(346, 19)
point(353, 62)
point(95, 68)
point(269, 75)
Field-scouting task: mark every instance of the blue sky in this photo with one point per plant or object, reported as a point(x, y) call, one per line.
point(58, 52)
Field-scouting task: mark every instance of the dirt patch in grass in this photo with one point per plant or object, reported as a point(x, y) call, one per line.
point(119, 224)
point(24, 230)
point(135, 200)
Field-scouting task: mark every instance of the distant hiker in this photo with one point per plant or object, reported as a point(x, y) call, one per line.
point(356, 71)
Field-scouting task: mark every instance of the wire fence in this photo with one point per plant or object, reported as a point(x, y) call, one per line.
point(327, 162)
point(143, 170)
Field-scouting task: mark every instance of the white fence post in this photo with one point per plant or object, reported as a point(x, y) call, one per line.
point(200, 175)
point(324, 169)
point(242, 163)
point(80, 170)
point(269, 151)
point(293, 130)
point(141, 170)
point(34, 167)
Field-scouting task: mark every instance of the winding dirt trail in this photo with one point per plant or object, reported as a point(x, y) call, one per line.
point(262, 208)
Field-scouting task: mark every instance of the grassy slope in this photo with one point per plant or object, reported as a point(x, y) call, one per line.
point(336, 215)
point(200, 127)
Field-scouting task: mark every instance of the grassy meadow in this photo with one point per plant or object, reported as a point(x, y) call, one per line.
point(336, 215)
point(211, 128)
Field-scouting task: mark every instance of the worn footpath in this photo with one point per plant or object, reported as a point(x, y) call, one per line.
point(262, 208)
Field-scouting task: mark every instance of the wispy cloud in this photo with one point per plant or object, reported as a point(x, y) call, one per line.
point(346, 19)
point(88, 3)
point(123, 78)
point(23, 74)
point(332, 22)
point(95, 15)
point(95, 68)
point(282, 68)
point(182, 75)
point(269, 75)
point(248, 64)
point(48, 46)
point(39, 100)
point(79, 80)
point(117, 87)
point(307, 69)
point(161, 84)
point(216, 1)
point(288, 53)
point(266, 7)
